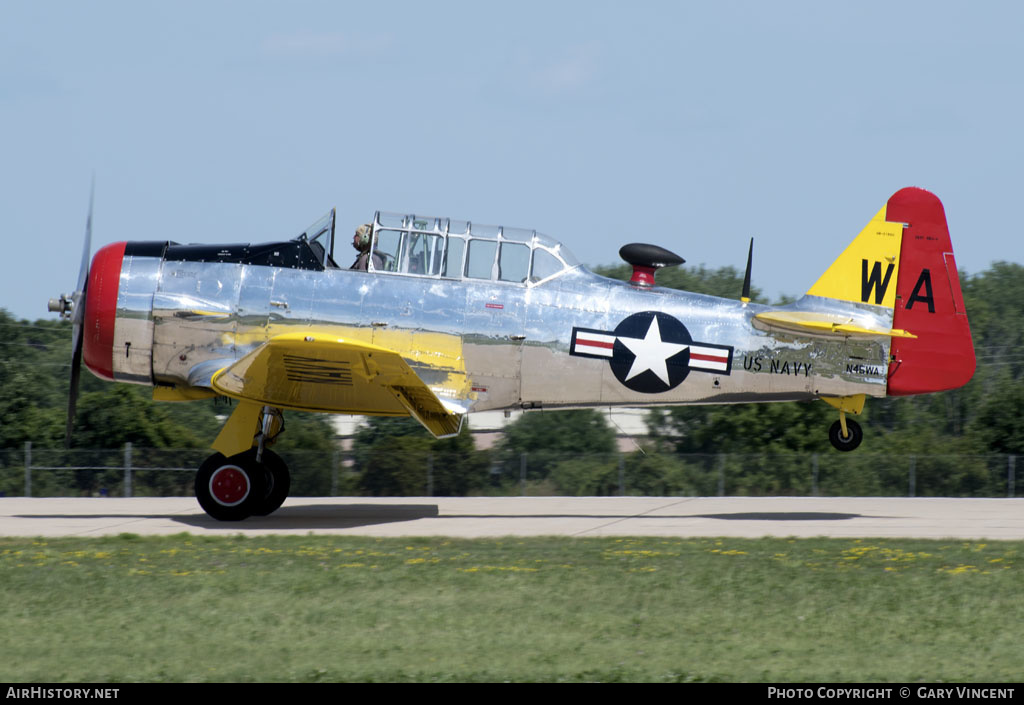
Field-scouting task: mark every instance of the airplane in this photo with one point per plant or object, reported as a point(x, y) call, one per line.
point(451, 317)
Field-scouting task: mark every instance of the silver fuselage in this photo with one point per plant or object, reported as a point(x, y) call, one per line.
point(483, 344)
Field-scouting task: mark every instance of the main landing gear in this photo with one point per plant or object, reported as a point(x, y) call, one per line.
point(235, 488)
point(252, 483)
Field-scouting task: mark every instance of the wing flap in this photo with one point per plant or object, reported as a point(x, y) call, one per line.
point(337, 375)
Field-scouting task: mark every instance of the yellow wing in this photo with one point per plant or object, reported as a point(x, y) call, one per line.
point(327, 373)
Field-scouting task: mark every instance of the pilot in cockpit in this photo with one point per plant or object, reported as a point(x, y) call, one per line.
point(361, 241)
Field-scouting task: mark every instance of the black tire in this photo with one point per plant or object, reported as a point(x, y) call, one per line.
point(278, 481)
point(229, 489)
point(851, 441)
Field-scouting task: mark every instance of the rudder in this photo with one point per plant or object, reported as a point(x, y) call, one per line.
point(928, 302)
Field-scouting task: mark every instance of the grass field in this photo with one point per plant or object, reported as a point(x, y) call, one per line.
point(189, 608)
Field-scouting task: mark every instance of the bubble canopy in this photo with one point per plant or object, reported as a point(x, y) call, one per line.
point(459, 249)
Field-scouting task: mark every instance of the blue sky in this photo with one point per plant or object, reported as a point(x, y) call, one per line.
point(693, 126)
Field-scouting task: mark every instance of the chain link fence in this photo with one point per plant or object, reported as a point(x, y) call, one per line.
point(139, 472)
point(765, 474)
point(145, 472)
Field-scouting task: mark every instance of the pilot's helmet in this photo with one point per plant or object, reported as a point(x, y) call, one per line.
point(363, 236)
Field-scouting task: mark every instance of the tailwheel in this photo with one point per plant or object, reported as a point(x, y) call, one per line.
point(231, 489)
point(279, 481)
point(848, 441)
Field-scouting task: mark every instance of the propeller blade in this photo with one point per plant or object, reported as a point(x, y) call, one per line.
point(77, 317)
point(78, 298)
point(76, 373)
point(83, 271)
point(746, 277)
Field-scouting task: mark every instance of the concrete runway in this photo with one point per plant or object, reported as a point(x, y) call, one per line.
point(938, 518)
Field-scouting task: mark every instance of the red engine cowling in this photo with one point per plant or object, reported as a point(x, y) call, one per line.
point(101, 310)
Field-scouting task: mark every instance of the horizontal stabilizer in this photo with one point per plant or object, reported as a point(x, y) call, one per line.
point(826, 324)
point(327, 373)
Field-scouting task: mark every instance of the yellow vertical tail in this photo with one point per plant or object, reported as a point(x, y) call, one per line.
point(868, 269)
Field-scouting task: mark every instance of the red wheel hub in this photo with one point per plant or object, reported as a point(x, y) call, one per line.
point(229, 485)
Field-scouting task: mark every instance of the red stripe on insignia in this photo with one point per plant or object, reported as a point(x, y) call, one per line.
point(709, 358)
point(594, 343)
point(495, 305)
